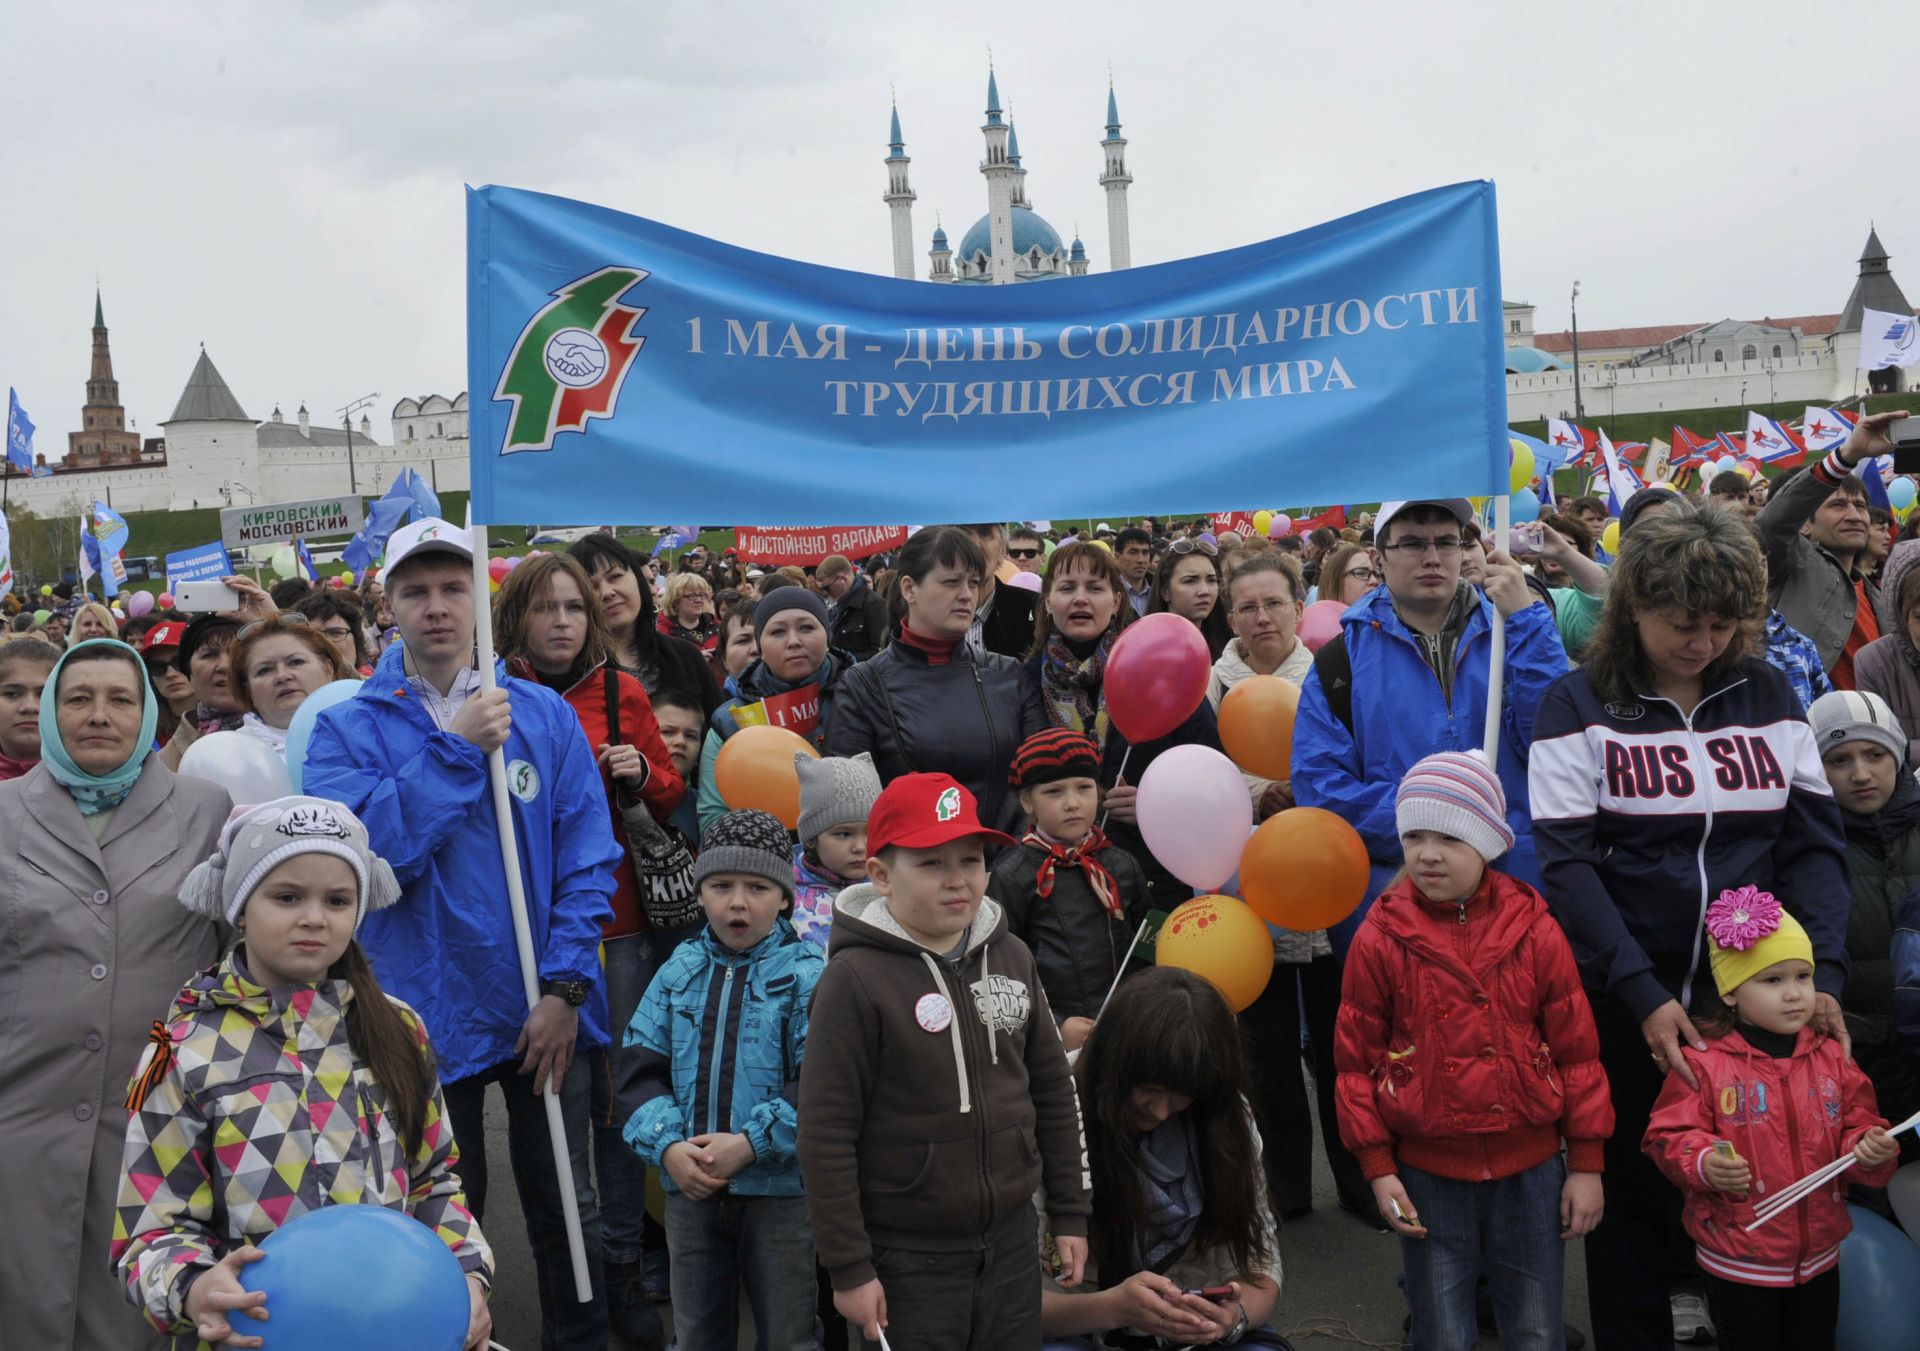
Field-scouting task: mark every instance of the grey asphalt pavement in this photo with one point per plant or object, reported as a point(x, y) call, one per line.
point(1340, 1275)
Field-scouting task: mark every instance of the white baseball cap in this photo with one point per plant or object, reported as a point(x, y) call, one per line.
point(428, 535)
point(1461, 508)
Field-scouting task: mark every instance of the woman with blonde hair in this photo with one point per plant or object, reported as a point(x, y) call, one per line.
point(689, 611)
point(92, 620)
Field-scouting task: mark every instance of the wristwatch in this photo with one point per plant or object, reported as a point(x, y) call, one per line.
point(1238, 1330)
point(575, 992)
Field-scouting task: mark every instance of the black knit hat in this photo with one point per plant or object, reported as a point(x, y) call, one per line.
point(1052, 755)
point(787, 597)
point(747, 842)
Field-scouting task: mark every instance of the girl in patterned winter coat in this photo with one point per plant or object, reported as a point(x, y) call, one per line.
point(288, 1048)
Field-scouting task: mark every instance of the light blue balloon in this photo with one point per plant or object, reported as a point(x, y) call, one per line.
point(300, 730)
point(1726, 462)
point(1526, 507)
point(1901, 493)
point(1879, 1285)
point(359, 1276)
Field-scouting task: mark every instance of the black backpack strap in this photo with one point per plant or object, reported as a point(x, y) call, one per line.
point(1336, 679)
point(615, 736)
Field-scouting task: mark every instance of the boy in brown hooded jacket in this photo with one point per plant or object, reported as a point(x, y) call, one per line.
point(935, 1097)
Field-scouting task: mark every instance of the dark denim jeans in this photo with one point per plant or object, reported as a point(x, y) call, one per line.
point(1507, 1230)
point(631, 964)
point(727, 1241)
point(565, 1323)
point(983, 1299)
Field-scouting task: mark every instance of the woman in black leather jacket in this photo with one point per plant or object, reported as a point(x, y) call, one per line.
point(929, 701)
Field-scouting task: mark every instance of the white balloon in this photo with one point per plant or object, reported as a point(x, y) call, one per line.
point(1904, 1192)
point(249, 770)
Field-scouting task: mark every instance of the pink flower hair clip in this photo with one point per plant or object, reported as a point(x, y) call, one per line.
point(1741, 918)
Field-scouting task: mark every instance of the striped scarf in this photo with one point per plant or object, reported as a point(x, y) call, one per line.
point(1075, 689)
point(1083, 856)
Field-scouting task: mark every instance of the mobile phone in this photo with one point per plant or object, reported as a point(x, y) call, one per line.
point(1724, 1148)
point(1525, 538)
point(204, 597)
point(1905, 435)
point(1400, 1214)
point(1212, 1292)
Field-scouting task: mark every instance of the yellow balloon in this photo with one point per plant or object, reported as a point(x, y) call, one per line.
point(1479, 503)
point(1261, 520)
point(1520, 474)
point(1219, 939)
point(656, 1197)
point(1610, 537)
point(1102, 544)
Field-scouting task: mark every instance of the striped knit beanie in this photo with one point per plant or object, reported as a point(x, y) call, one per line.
point(1052, 755)
point(1456, 793)
point(1855, 715)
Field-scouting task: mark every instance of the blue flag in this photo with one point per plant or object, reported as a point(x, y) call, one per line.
point(407, 498)
point(305, 559)
point(623, 371)
point(103, 540)
point(19, 434)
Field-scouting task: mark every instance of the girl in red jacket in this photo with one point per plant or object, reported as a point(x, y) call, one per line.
point(1765, 1102)
point(1466, 1053)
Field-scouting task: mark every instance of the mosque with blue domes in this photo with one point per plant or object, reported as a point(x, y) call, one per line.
point(1012, 242)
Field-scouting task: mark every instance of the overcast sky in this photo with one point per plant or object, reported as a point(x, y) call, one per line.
point(283, 181)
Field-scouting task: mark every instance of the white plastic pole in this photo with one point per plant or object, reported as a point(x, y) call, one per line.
point(517, 904)
point(1497, 663)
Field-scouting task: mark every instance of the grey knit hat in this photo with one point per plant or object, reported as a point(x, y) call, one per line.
point(256, 840)
point(747, 842)
point(834, 792)
point(1856, 715)
point(788, 597)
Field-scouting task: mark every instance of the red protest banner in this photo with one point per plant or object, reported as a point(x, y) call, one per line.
point(1240, 522)
point(797, 710)
point(805, 548)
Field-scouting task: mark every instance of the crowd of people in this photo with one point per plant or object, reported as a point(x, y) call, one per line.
point(898, 1067)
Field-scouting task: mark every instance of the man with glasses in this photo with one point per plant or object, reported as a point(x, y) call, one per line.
point(856, 613)
point(1133, 551)
point(1003, 622)
point(1026, 550)
point(1407, 676)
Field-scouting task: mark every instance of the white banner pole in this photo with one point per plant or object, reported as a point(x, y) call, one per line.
point(1497, 663)
point(517, 904)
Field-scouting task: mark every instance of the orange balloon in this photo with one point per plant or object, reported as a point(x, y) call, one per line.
point(1304, 869)
point(1256, 725)
point(1220, 940)
point(755, 770)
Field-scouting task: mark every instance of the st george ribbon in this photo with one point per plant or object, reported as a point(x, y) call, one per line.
point(626, 372)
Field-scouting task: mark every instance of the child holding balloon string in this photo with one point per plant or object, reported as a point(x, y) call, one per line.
point(1769, 1101)
point(1467, 1053)
point(283, 1080)
point(1071, 895)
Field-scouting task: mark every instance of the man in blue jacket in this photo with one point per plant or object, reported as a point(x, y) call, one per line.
point(1407, 676)
point(408, 754)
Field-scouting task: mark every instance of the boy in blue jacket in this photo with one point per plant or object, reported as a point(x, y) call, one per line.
point(408, 756)
point(712, 1093)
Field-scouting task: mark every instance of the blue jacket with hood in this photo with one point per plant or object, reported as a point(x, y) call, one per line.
point(447, 948)
point(1401, 714)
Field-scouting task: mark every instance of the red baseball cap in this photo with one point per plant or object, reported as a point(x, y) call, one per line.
point(168, 634)
point(924, 811)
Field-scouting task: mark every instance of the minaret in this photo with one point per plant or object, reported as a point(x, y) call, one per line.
point(941, 256)
point(1002, 174)
point(1019, 170)
point(1115, 181)
point(899, 199)
point(1077, 257)
point(103, 438)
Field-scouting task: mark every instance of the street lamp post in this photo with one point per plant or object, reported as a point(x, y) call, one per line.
point(1579, 413)
point(346, 423)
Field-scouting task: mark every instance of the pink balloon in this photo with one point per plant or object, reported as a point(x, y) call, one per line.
point(1156, 676)
point(1320, 623)
point(164, 600)
point(1195, 814)
point(498, 568)
point(139, 603)
point(1280, 526)
point(1026, 581)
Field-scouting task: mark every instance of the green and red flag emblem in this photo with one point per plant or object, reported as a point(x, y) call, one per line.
point(569, 361)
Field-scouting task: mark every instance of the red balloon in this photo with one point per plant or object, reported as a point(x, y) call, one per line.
point(498, 568)
point(1320, 623)
point(1156, 676)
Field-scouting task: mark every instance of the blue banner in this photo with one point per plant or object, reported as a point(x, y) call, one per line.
point(623, 371)
point(407, 498)
point(202, 563)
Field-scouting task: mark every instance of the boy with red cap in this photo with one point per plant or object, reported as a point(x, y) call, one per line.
point(920, 1169)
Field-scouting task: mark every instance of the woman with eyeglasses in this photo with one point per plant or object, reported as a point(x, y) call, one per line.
point(276, 663)
point(1347, 574)
point(1083, 608)
point(1187, 583)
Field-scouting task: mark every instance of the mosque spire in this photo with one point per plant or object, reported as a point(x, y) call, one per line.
point(899, 198)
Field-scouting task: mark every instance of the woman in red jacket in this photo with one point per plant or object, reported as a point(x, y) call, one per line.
point(549, 627)
point(1466, 1052)
point(1776, 1100)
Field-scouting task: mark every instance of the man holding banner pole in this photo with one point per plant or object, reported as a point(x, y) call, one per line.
point(480, 789)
